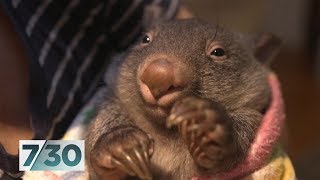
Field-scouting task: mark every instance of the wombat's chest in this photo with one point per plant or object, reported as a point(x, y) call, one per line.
point(172, 160)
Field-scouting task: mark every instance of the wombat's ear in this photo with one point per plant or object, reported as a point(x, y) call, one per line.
point(266, 46)
point(152, 15)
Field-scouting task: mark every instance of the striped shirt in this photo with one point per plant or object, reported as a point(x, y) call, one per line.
point(69, 44)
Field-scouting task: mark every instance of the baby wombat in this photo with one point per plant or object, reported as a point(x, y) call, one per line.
point(186, 101)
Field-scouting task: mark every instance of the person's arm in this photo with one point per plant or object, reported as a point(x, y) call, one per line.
point(14, 115)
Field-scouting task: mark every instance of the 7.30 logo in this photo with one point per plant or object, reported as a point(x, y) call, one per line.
point(62, 155)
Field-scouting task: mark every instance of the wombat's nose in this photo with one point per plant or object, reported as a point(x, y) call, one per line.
point(160, 78)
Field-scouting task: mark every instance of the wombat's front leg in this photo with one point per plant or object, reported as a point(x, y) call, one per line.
point(116, 148)
point(216, 139)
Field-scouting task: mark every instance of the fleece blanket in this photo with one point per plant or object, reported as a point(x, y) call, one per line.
point(265, 160)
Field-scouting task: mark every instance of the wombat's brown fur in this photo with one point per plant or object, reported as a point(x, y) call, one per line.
point(186, 101)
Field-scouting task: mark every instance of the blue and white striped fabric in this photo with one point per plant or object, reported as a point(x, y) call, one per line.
point(69, 43)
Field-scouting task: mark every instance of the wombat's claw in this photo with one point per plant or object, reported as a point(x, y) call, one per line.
point(134, 161)
point(136, 164)
point(174, 120)
point(200, 125)
point(129, 155)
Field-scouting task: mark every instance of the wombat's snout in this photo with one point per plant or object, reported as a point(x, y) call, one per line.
point(161, 77)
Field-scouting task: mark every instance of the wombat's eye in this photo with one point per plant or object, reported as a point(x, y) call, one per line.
point(146, 39)
point(217, 52)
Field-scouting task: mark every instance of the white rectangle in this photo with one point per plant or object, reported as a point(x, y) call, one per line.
point(53, 155)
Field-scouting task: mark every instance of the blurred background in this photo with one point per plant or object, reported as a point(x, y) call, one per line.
point(297, 22)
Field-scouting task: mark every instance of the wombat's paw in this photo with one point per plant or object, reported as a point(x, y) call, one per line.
point(205, 128)
point(126, 151)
